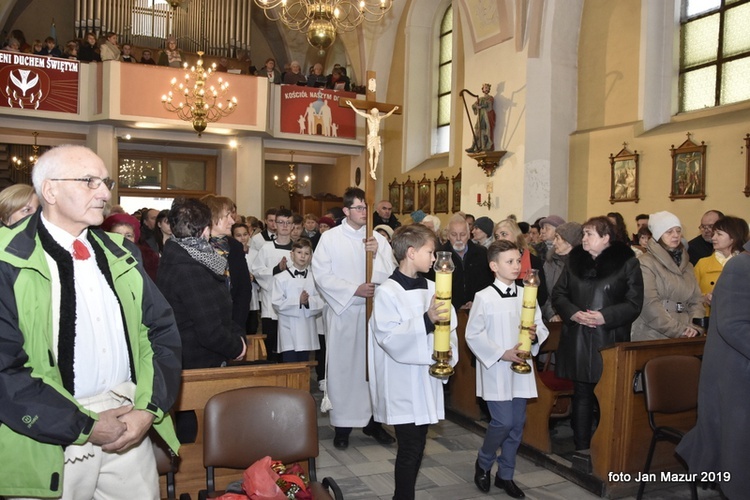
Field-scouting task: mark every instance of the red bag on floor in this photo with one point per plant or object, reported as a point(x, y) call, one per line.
point(260, 481)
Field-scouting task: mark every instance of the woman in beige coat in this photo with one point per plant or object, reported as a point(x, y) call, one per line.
point(671, 296)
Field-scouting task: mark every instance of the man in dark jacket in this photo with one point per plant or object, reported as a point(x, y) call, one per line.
point(702, 246)
point(472, 272)
point(719, 441)
point(384, 215)
point(89, 348)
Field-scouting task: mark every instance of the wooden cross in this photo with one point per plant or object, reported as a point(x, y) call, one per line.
point(367, 105)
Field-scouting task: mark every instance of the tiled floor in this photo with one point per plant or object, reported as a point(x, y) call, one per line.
point(365, 469)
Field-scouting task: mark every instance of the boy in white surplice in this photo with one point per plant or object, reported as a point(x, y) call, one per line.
point(298, 304)
point(492, 335)
point(401, 343)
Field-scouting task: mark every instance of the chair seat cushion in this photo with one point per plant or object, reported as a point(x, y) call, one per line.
point(555, 383)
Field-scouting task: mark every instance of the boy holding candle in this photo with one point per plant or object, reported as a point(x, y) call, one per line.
point(402, 338)
point(492, 334)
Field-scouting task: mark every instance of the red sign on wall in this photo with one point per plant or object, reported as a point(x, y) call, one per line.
point(314, 111)
point(38, 82)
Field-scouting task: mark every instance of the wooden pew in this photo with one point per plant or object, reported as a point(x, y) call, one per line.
point(463, 384)
point(197, 388)
point(620, 443)
point(539, 410)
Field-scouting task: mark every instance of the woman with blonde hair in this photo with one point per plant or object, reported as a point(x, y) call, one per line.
point(508, 230)
point(17, 202)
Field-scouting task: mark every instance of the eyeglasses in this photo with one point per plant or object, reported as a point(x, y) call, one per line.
point(706, 227)
point(284, 223)
point(361, 208)
point(92, 182)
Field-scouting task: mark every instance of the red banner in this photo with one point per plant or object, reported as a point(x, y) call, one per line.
point(38, 82)
point(314, 111)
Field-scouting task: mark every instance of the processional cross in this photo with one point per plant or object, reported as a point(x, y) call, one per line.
point(370, 109)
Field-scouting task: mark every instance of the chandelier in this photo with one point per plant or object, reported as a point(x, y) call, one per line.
point(25, 165)
point(201, 104)
point(290, 185)
point(131, 172)
point(321, 20)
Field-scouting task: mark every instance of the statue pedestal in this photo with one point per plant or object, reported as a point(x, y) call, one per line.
point(487, 160)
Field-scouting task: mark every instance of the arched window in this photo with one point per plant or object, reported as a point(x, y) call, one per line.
point(714, 53)
point(445, 70)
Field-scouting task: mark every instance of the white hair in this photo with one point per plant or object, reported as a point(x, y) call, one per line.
point(458, 219)
point(435, 221)
point(51, 165)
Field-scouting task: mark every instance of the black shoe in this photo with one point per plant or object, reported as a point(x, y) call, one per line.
point(581, 461)
point(341, 442)
point(481, 478)
point(510, 487)
point(379, 434)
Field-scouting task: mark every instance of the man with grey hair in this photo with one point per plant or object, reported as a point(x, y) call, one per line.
point(89, 348)
point(472, 268)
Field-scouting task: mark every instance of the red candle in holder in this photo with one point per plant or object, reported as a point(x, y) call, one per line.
point(479, 197)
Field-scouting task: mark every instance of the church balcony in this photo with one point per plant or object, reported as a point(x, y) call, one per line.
point(41, 93)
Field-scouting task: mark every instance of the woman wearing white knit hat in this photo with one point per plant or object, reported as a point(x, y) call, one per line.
point(671, 296)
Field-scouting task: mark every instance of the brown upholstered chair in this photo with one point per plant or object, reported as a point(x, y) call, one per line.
point(244, 425)
point(670, 385)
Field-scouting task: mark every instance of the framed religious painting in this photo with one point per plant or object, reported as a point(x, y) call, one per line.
point(747, 165)
point(624, 176)
point(408, 206)
point(394, 196)
point(441, 194)
point(456, 207)
point(688, 170)
point(424, 197)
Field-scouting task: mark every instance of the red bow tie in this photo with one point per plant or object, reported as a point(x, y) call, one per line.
point(80, 252)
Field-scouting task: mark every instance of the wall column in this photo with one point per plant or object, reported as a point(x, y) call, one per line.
point(246, 185)
point(102, 140)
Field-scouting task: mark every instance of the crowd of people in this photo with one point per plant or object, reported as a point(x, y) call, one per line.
point(183, 287)
point(105, 47)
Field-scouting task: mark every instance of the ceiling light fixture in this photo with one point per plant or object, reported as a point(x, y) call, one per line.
point(201, 105)
point(25, 165)
point(291, 185)
point(322, 20)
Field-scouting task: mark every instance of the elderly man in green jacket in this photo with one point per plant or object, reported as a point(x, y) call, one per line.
point(89, 349)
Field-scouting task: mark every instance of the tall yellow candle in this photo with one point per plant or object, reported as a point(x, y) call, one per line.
point(527, 316)
point(443, 292)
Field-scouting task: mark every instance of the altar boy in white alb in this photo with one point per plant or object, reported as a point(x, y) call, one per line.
point(339, 267)
point(272, 259)
point(298, 305)
point(401, 344)
point(492, 335)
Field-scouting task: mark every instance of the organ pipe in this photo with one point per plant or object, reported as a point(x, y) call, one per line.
point(219, 27)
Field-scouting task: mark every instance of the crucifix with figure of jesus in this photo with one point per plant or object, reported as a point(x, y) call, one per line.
point(371, 110)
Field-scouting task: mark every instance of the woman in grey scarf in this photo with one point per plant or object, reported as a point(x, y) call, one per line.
point(192, 278)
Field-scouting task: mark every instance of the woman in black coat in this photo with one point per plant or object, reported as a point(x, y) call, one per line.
point(598, 297)
point(238, 275)
point(191, 277)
